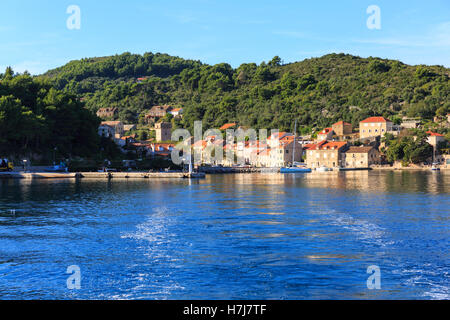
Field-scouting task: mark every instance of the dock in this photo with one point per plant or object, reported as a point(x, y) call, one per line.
point(102, 175)
point(139, 175)
point(36, 175)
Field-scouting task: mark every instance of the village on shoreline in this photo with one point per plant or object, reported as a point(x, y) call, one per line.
point(339, 147)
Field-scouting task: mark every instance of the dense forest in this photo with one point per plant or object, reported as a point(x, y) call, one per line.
point(318, 91)
point(39, 121)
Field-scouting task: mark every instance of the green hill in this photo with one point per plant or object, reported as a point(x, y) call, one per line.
point(318, 91)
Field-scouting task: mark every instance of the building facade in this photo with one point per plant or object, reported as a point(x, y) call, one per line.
point(326, 154)
point(111, 129)
point(342, 128)
point(159, 111)
point(163, 131)
point(435, 138)
point(325, 134)
point(178, 112)
point(374, 127)
point(105, 113)
point(362, 157)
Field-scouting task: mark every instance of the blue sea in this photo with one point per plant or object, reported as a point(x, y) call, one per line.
point(237, 236)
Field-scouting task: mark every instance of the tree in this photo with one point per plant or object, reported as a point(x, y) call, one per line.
point(330, 88)
point(276, 61)
point(35, 118)
point(9, 73)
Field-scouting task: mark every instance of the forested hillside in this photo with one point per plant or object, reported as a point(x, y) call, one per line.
point(38, 120)
point(317, 91)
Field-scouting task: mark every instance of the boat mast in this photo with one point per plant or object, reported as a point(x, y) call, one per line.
point(295, 133)
point(190, 163)
point(434, 154)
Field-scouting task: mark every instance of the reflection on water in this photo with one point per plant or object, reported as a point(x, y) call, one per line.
point(255, 236)
point(369, 181)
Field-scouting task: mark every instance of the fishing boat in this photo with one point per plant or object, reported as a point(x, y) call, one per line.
point(295, 168)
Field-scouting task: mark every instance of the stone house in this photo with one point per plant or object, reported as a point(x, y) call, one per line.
point(362, 157)
point(374, 127)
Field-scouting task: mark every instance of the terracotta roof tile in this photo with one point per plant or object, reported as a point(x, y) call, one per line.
point(375, 120)
point(434, 134)
point(227, 126)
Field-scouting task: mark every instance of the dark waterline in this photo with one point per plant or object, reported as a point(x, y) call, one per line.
point(255, 236)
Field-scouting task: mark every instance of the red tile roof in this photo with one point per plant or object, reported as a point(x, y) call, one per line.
point(200, 143)
point(375, 120)
point(434, 134)
point(229, 146)
point(340, 123)
point(109, 123)
point(308, 146)
point(287, 138)
point(227, 126)
point(278, 135)
point(325, 145)
point(326, 130)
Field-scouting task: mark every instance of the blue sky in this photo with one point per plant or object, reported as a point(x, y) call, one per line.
point(34, 35)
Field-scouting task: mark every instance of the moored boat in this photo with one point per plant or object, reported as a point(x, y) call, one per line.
point(323, 169)
point(435, 167)
point(295, 170)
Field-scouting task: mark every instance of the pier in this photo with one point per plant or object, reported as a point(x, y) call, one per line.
point(102, 175)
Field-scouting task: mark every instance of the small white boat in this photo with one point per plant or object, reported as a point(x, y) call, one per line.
point(296, 167)
point(323, 169)
point(435, 167)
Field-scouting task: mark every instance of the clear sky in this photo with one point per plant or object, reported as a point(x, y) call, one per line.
point(34, 34)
